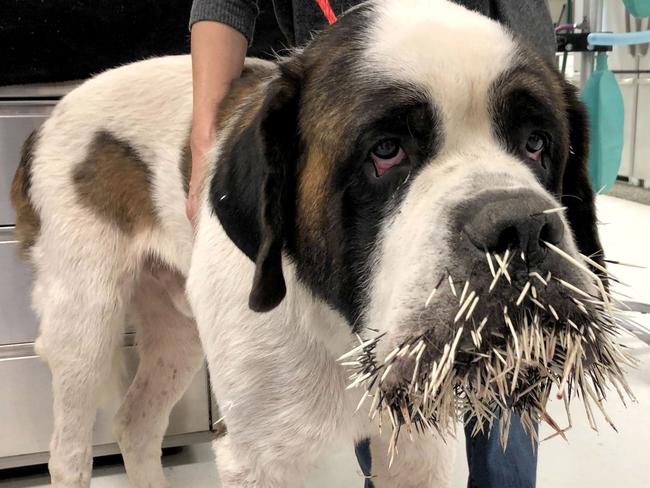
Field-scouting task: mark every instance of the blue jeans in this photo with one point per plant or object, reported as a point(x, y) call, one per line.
point(489, 466)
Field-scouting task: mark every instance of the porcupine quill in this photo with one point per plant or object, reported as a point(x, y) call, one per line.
point(503, 371)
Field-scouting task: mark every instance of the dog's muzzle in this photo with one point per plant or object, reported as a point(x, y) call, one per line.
point(517, 312)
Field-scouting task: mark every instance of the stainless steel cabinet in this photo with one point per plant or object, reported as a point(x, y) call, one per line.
point(630, 92)
point(18, 323)
point(635, 160)
point(25, 393)
point(17, 121)
point(26, 399)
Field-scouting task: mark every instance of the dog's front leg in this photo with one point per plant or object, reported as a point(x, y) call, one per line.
point(282, 400)
point(427, 461)
point(279, 419)
point(281, 392)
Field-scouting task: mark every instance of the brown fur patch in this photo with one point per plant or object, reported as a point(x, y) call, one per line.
point(186, 167)
point(239, 99)
point(313, 187)
point(28, 222)
point(115, 183)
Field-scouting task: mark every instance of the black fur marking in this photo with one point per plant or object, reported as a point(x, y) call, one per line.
point(28, 220)
point(26, 160)
point(524, 100)
point(533, 96)
point(577, 193)
point(251, 189)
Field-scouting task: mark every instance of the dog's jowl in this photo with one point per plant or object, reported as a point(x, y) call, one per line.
point(408, 193)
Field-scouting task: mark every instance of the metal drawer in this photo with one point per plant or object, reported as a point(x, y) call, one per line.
point(26, 403)
point(17, 120)
point(629, 90)
point(642, 149)
point(18, 322)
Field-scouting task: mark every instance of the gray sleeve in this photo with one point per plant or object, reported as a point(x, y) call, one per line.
point(530, 19)
point(238, 14)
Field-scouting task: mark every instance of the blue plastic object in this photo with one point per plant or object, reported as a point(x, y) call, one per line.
point(638, 8)
point(608, 39)
point(604, 102)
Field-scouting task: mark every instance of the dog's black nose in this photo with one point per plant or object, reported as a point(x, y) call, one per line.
point(518, 221)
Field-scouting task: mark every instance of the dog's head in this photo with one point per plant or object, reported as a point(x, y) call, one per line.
point(413, 146)
point(405, 140)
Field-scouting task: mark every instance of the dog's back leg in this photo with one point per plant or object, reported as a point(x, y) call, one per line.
point(79, 294)
point(170, 356)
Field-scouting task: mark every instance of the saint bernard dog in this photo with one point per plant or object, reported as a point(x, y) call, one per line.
point(403, 140)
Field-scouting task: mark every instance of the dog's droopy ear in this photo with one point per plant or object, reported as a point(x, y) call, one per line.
point(577, 194)
point(254, 183)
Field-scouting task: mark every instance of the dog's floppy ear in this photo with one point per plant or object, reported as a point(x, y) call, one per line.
point(253, 187)
point(577, 193)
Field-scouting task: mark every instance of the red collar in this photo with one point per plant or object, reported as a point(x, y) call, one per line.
point(327, 10)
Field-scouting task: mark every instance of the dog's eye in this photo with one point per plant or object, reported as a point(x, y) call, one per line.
point(537, 142)
point(386, 154)
point(386, 149)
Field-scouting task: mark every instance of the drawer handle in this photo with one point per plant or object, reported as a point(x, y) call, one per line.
point(8, 235)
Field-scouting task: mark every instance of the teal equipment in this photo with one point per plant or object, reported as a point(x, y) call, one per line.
point(638, 8)
point(609, 39)
point(604, 102)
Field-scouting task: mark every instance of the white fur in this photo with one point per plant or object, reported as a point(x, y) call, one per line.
point(436, 45)
point(275, 375)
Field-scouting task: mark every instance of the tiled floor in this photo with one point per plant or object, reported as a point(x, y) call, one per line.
point(588, 460)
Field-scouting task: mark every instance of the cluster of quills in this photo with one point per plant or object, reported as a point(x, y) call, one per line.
point(501, 370)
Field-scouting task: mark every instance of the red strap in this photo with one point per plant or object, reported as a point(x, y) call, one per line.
point(327, 10)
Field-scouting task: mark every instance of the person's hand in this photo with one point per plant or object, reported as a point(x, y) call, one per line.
point(200, 146)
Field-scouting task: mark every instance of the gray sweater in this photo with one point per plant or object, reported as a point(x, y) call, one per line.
point(299, 18)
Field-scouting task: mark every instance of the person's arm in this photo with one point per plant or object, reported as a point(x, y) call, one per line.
point(218, 53)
